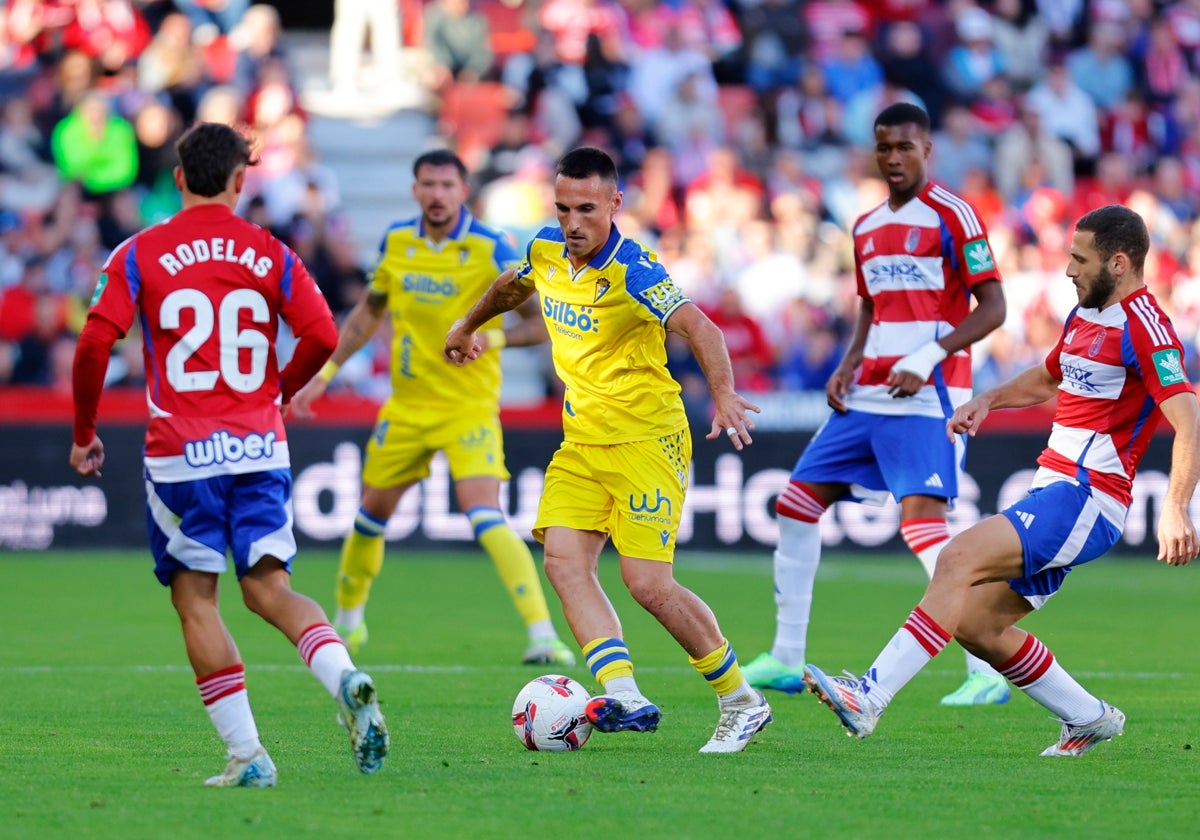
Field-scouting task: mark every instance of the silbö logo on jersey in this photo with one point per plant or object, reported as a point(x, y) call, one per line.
point(224, 448)
point(569, 319)
point(428, 285)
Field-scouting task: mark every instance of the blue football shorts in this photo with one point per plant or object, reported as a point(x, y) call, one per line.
point(194, 524)
point(1061, 526)
point(878, 454)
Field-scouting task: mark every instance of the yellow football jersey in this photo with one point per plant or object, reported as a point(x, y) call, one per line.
point(607, 334)
point(429, 286)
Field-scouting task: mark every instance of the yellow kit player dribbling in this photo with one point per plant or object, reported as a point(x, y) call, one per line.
point(430, 268)
point(622, 469)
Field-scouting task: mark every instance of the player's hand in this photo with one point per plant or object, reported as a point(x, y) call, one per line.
point(837, 388)
point(87, 460)
point(461, 346)
point(909, 375)
point(732, 421)
point(302, 400)
point(967, 418)
point(1177, 541)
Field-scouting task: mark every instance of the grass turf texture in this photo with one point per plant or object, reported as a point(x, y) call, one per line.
point(103, 734)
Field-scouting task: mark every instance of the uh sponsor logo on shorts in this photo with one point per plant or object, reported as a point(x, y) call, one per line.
point(224, 448)
point(648, 511)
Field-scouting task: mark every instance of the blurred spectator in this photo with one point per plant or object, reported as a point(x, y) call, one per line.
point(172, 64)
point(774, 43)
point(570, 22)
point(95, 147)
point(1100, 69)
point(812, 350)
point(28, 182)
point(906, 64)
point(256, 40)
point(974, 61)
point(224, 15)
point(829, 21)
point(1164, 67)
point(1069, 114)
point(958, 148)
point(1026, 142)
point(1021, 37)
point(156, 128)
point(658, 74)
point(354, 21)
point(689, 122)
point(457, 38)
point(851, 69)
point(1111, 184)
point(750, 353)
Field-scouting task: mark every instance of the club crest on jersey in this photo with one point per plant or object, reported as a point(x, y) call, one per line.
point(912, 239)
point(979, 257)
point(1097, 343)
point(412, 250)
point(463, 254)
point(1169, 366)
point(602, 287)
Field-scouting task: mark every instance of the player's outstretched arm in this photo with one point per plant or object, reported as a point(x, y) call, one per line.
point(505, 294)
point(1031, 387)
point(1177, 541)
point(708, 346)
point(362, 323)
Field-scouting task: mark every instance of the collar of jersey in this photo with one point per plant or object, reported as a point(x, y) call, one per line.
point(460, 229)
point(605, 254)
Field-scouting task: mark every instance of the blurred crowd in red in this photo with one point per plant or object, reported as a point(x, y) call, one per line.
point(742, 131)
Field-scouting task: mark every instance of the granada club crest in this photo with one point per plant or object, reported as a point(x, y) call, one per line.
point(1097, 343)
point(912, 239)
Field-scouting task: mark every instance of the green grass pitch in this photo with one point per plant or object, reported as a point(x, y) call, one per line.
point(102, 733)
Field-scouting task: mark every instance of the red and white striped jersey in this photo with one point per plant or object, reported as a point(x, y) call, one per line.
point(918, 265)
point(210, 289)
point(1115, 366)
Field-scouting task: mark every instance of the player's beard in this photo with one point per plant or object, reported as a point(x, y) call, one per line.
point(1100, 290)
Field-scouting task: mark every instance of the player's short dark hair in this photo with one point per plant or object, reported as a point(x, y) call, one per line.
point(586, 161)
point(903, 113)
point(1117, 229)
point(209, 153)
point(440, 157)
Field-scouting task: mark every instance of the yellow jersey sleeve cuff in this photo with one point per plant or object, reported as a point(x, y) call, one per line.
point(330, 370)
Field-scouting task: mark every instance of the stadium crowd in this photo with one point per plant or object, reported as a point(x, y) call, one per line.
point(742, 129)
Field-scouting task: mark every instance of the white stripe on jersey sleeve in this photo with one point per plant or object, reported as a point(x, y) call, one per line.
point(1090, 378)
point(965, 215)
point(1150, 319)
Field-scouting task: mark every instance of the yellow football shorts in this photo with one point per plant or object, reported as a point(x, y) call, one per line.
point(400, 448)
point(631, 491)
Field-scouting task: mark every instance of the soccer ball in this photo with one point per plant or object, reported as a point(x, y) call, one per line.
point(549, 714)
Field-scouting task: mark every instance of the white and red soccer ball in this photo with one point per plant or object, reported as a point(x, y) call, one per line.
point(549, 714)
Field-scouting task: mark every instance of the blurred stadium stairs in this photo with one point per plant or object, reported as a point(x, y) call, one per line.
point(368, 139)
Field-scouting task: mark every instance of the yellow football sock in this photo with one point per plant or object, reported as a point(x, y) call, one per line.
point(362, 558)
point(513, 562)
point(721, 669)
point(607, 658)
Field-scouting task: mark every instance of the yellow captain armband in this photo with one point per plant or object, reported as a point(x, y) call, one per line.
point(496, 339)
point(330, 370)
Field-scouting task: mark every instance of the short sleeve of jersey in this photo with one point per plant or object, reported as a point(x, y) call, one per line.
point(115, 298)
point(648, 283)
point(972, 251)
point(1151, 344)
